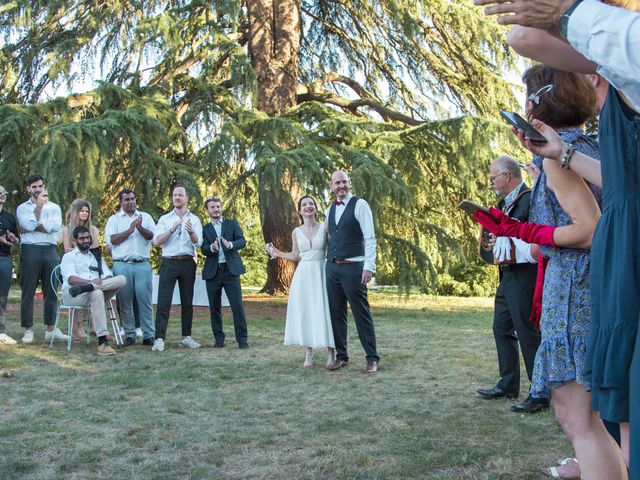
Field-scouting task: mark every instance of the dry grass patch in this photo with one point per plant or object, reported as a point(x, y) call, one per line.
point(256, 414)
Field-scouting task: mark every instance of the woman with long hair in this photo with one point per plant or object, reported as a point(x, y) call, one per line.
point(308, 319)
point(78, 213)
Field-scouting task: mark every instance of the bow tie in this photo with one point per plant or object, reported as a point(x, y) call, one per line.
point(339, 202)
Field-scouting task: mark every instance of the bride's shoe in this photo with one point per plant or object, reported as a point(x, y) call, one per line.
point(308, 358)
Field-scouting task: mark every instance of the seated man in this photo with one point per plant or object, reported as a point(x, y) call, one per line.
point(85, 285)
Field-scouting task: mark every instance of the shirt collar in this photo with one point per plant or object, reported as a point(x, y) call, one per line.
point(513, 194)
point(218, 222)
point(122, 213)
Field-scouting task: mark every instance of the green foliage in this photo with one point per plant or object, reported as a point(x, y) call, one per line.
point(471, 280)
point(177, 102)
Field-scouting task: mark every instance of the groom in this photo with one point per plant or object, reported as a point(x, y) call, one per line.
point(351, 257)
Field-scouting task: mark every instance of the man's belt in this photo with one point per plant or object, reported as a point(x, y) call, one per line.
point(179, 257)
point(137, 260)
point(3, 254)
point(342, 262)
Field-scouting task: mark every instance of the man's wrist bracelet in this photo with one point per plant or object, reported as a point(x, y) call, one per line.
point(566, 157)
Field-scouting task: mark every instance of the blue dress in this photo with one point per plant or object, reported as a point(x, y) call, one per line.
point(615, 274)
point(566, 304)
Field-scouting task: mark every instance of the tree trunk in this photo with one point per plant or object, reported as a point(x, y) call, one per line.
point(274, 41)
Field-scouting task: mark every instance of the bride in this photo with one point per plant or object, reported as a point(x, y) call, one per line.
point(308, 319)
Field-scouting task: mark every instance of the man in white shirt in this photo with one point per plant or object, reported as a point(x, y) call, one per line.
point(89, 284)
point(129, 233)
point(39, 221)
point(179, 233)
point(351, 255)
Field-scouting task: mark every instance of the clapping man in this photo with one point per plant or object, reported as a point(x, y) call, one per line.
point(129, 233)
point(179, 233)
point(88, 282)
point(351, 255)
point(223, 239)
point(39, 222)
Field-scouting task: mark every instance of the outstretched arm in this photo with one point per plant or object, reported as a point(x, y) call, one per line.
point(542, 46)
point(293, 255)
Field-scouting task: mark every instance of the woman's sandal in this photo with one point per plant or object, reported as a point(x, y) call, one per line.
point(553, 472)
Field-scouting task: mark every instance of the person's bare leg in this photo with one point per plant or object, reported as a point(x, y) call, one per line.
point(598, 456)
point(624, 442)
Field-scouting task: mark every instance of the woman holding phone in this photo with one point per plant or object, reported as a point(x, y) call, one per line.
point(308, 319)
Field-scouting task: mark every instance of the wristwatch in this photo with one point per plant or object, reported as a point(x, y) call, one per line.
point(564, 19)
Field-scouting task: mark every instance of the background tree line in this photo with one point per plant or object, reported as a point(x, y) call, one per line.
point(259, 101)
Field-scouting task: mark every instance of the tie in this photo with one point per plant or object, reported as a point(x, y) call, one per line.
point(338, 202)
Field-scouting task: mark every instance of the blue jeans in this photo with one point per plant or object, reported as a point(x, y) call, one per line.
point(138, 277)
point(6, 267)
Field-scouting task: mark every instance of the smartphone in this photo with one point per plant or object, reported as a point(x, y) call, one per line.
point(471, 208)
point(520, 123)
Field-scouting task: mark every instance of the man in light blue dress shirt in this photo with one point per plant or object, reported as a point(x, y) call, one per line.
point(129, 233)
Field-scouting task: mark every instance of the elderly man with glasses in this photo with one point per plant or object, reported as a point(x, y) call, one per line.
point(514, 296)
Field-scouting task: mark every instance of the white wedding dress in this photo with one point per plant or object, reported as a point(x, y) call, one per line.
point(308, 318)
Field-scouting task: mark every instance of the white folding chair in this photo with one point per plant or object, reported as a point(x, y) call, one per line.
point(56, 285)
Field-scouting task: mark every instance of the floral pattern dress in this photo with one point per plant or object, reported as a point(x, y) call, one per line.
point(566, 303)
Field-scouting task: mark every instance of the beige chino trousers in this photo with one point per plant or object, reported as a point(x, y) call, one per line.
point(95, 300)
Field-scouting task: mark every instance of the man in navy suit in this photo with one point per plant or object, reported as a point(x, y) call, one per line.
point(223, 239)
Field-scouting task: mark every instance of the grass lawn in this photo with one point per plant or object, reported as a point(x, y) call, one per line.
point(239, 414)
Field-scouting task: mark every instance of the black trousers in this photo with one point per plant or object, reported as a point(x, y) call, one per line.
point(511, 326)
point(184, 272)
point(344, 284)
point(231, 284)
point(36, 264)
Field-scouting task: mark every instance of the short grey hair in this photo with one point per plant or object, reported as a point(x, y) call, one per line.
point(510, 165)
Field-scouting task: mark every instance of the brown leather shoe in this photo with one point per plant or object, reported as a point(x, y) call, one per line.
point(372, 367)
point(105, 350)
point(338, 364)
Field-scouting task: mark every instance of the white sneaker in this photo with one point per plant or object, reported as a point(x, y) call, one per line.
point(57, 334)
point(158, 345)
point(6, 339)
point(138, 332)
point(28, 336)
point(189, 342)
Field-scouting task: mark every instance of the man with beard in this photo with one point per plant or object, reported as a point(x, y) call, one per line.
point(129, 233)
point(514, 296)
point(39, 222)
point(351, 255)
point(223, 239)
point(179, 233)
point(89, 284)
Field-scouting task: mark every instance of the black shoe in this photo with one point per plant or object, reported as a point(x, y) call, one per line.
point(129, 341)
point(218, 344)
point(495, 392)
point(531, 405)
point(76, 290)
point(243, 346)
point(149, 341)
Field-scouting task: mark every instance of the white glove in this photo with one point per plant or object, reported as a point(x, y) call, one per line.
point(502, 249)
point(523, 252)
